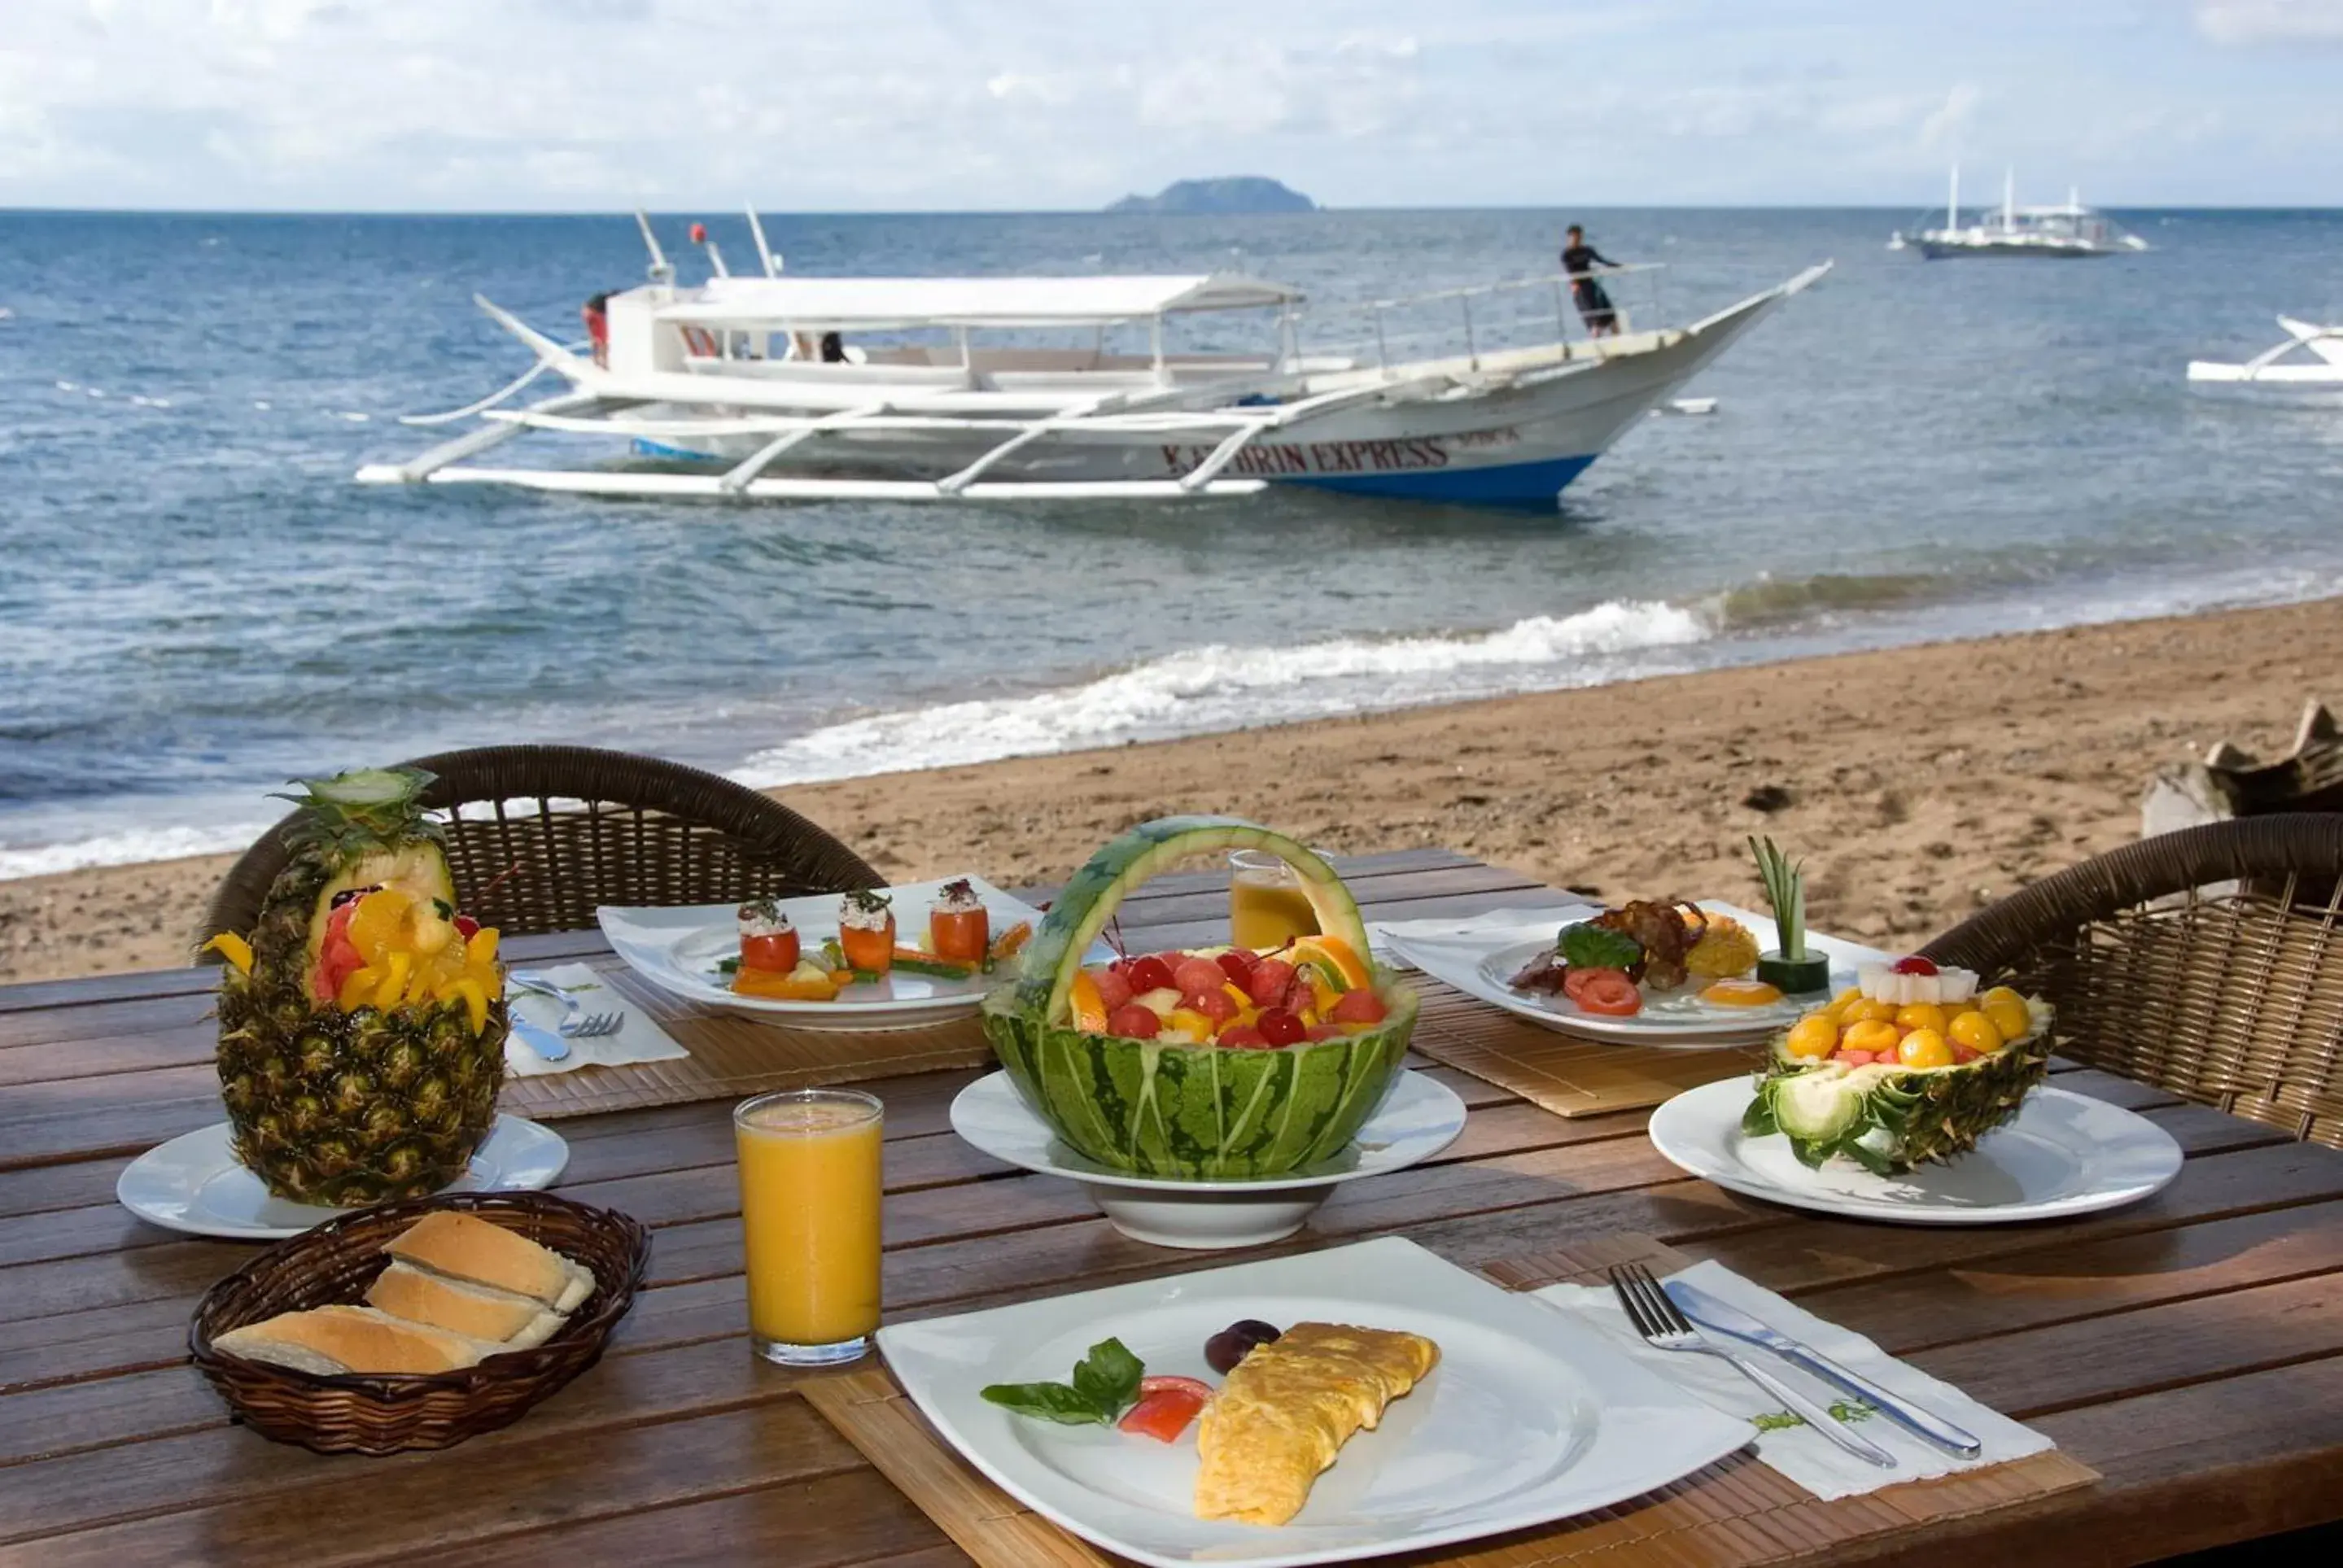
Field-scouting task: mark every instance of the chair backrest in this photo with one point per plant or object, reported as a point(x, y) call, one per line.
point(2207, 962)
point(540, 835)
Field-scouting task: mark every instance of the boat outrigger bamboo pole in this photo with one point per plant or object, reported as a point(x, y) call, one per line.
point(662, 270)
point(764, 252)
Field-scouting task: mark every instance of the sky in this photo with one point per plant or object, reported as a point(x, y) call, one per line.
point(1020, 104)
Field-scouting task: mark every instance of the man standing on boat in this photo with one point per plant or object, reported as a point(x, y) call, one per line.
point(1579, 259)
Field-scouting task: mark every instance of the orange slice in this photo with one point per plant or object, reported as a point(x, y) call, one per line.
point(1090, 1007)
point(1337, 957)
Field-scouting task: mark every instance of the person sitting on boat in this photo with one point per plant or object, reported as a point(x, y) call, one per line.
point(1579, 259)
point(834, 348)
point(596, 312)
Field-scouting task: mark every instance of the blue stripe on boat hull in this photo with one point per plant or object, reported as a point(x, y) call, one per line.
point(1527, 485)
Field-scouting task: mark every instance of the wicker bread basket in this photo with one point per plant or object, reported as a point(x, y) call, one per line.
point(335, 1262)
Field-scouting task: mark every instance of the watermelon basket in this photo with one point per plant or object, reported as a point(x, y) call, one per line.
point(1187, 1112)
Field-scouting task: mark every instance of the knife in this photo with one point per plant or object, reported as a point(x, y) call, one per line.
point(538, 1038)
point(1723, 1318)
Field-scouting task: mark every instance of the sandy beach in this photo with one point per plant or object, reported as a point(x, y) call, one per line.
point(1920, 783)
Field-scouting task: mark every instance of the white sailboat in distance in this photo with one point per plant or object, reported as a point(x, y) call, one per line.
point(2072, 231)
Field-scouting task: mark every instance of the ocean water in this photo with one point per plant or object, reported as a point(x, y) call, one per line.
point(197, 603)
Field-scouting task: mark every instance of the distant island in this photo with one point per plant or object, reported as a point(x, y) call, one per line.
point(1237, 192)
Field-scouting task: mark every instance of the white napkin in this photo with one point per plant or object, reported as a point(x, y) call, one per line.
point(1493, 928)
point(637, 1039)
point(1810, 1460)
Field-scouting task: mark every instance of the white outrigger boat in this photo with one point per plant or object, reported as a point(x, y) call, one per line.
point(2072, 231)
point(746, 388)
point(2325, 368)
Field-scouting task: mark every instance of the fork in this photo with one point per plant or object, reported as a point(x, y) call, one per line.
point(1665, 1328)
point(577, 1023)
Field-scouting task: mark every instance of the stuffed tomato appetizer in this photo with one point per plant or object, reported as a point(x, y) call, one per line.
point(1212, 1063)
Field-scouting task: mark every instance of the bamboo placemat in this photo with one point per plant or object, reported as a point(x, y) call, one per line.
point(1734, 1514)
point(733, 1057)
point(1559, 1072)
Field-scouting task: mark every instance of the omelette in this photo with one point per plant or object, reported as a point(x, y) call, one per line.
point(1288, 1408)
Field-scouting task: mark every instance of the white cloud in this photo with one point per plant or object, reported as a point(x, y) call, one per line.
point(2270, 21)
point(957, 103)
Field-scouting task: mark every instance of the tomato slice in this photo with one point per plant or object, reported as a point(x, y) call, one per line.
point(1576, 978)
point(1610, 994)
point(1164, 1413)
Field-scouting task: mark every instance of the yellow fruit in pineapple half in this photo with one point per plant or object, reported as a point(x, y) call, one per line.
point(361, 1042)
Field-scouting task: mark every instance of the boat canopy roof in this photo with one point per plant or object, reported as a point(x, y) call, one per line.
point(893, 302)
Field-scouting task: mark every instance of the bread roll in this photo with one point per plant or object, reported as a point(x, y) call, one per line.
point(333, 1339)
point(476, 1311)
point(459, 1246)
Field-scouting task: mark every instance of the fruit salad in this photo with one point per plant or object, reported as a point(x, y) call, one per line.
point(1913, 1063)
point(1911, 1013)
point(1312, 989)
point(385, 948)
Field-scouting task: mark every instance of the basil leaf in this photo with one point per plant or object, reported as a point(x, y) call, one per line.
point(727, 966)
point(1109, 1377)
point(1586, 946)
point(1048, 1402)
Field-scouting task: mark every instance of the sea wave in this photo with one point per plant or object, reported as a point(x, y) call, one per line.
point(125, 846)
point(1772, 601)
point(1218, 686)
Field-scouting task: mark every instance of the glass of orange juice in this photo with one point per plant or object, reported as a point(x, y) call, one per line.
point(1267, 908)
point(810, 1200)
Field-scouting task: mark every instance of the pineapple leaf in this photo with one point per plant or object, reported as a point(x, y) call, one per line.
point(361, 808)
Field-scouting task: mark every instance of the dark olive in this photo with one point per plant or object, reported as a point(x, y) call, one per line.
point(1233, 1343)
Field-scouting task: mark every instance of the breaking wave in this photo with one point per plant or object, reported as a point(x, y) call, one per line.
point(1217, 688)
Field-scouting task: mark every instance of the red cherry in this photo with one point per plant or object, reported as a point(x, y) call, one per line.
point(1361, 1006)
point(1113, 987)
point(1237, 964)
point(1215, 1004)
point(1270, 981)
point(1150, 973)
point(1915, 965)
point(1191, 975)
point(1242, 1037)
point(1279, 1026)
point(1133, 1021)
point(467, 927)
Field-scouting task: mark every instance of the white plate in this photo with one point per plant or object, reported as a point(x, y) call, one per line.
point(194, 1184)
point(2062, 1154)
point(1528, 1418)
point(678, 949)
point(1419, 1118)
point(1480, 957)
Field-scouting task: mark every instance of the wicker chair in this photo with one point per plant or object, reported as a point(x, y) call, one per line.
point(540, 835)
point(2204, 961)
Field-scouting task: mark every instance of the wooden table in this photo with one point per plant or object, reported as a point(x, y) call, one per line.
point(2187, 1347)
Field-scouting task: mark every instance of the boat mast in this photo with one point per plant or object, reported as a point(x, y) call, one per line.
point(2009, 198)
point(1953, 203)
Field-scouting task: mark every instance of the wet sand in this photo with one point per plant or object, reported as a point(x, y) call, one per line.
point(1919, 783)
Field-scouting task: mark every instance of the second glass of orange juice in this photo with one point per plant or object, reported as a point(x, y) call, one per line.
point(810, 1189)
point(1267, 908)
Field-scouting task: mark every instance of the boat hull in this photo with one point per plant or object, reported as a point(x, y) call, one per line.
point(1508, 446)
point(1937, 250)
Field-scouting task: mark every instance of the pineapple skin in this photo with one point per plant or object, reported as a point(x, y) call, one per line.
point(356, 1108)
